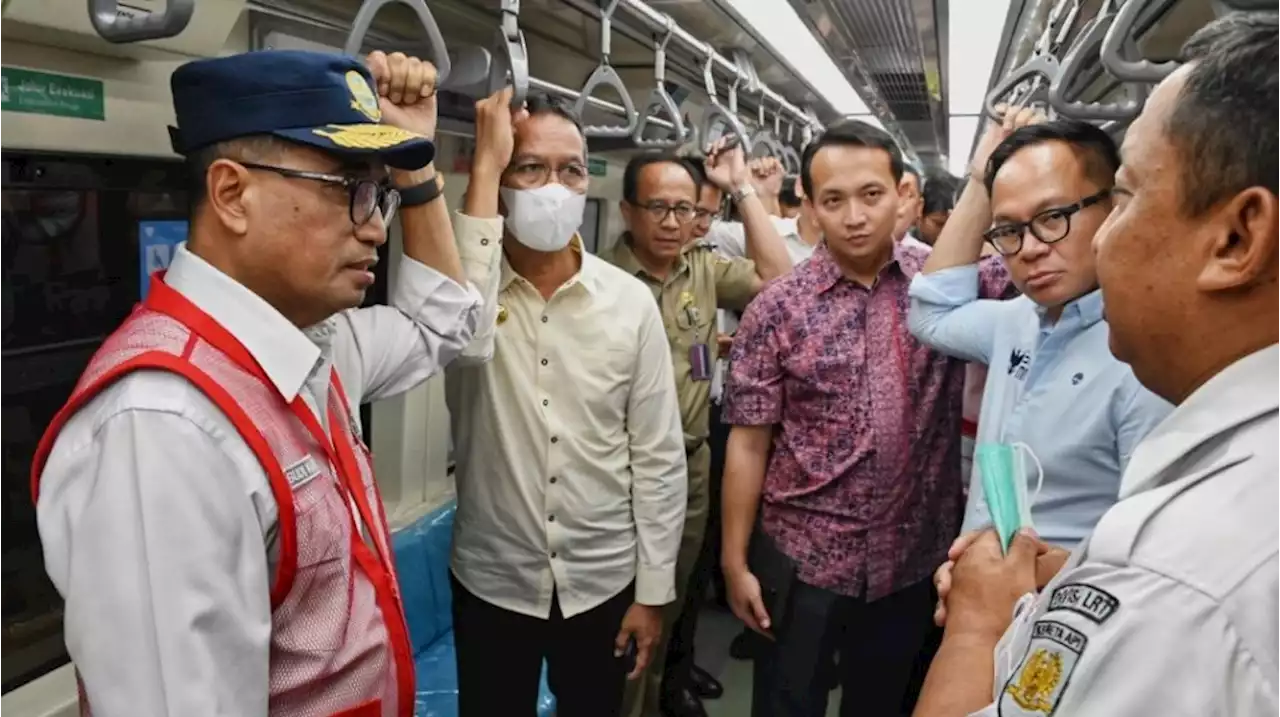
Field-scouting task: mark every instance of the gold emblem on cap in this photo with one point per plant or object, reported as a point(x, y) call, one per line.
point(362, 98)
point(366, 136)
point(502, 314)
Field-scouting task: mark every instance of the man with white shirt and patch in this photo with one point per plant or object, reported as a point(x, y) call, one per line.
point(206, 506)
point(1170, 606)
point(571, 467)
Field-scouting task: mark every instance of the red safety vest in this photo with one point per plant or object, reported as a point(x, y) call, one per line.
point(339, 641)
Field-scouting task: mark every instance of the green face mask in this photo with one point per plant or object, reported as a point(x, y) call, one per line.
point(1004, 486)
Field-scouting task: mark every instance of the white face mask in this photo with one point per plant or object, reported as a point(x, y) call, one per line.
point(543, 219)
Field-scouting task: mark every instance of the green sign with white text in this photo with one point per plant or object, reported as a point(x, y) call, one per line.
point(597, 166)
point(42, 93)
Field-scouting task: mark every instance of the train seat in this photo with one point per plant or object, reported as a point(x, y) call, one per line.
point(422, 561)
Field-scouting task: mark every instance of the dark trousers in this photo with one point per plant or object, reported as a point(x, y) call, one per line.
point(500, 654)
point(878, 644)
point(706, 571)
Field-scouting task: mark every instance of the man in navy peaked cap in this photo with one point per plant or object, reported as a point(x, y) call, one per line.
point(206, 505)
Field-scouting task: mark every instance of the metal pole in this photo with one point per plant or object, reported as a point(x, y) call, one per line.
point(657, 22)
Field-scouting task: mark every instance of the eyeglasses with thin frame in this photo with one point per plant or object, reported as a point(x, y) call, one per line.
point(659, 211)
point(532, 174)
point(366, 196)
point(1049, 226)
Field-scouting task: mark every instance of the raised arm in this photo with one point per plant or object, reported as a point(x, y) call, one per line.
point(727, 169)
point(479, 226)
point(381, 351)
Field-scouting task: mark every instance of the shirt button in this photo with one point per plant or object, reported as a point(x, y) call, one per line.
point(544, 362)
point(545, 402)
point(551, 519)
point(553, 479)
point(484, 242)
point(555, 440)
point(553, 553)
point(544, 319)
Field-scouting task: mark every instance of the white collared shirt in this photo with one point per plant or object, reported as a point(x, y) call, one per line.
point(730, 239)
point(156, 517)
point(1170, 607)
point(570, 454)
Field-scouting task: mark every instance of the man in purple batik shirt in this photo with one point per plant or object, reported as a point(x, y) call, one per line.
point(846, 435)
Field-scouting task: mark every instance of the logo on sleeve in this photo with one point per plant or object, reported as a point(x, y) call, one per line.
point(1093, 603)
point(1037, 685)
point(1019, 361)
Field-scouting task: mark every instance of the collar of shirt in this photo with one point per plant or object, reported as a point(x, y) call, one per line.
point(1239, 393)
point(286, 354)
point(1084, 311)
point(625, 259)
point(826, 273)
point(588, 276)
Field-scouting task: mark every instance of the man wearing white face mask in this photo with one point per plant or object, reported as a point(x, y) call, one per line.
point(570, 455)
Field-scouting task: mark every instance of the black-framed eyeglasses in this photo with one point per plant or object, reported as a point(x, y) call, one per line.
point(659, 211)
point(1049, 226)
point(366, 195)
point(531, 174)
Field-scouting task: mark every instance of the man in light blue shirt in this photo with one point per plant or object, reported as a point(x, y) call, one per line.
point(1039, 193)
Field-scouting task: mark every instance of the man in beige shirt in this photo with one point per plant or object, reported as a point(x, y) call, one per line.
point(571, 467)
point(689, 284)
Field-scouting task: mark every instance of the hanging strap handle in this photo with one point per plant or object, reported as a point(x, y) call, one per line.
point(1038, 68)
point(510, 63)
point(115, 26)
point(716, 114)
point(605, 75)
point(660, 100)
point(364, 20)
point(764, 138)
point(1086, 48)
point(1120, 32)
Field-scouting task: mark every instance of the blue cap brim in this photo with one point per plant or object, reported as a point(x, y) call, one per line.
point(399, 148)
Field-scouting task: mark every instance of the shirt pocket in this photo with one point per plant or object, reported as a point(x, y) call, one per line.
point(321, 586)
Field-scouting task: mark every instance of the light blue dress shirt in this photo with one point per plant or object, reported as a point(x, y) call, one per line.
point(1053, 386)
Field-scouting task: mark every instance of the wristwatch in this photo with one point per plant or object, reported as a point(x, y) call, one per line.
point(742, 193)
point(423, 193)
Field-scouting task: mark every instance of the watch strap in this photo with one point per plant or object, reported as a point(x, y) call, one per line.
point(420, 194)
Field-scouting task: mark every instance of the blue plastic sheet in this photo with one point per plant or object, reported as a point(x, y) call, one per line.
point(422, 561)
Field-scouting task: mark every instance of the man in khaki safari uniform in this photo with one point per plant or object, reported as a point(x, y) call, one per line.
point(690, 282)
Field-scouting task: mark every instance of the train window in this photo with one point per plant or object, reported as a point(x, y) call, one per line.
point(71, 275)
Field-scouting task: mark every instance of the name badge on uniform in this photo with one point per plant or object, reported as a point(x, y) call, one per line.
point(700, 362)
point(301, 472)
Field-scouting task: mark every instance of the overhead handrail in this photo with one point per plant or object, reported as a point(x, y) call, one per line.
point(642, 11)
point(1121, 68)
point(1042, 68)
point(510, 63)
point(764, 138)
point(660, 99)
point(115, 26)
point(605, 75)
point(369, 10)
point(717, 114)
point(1087, 47)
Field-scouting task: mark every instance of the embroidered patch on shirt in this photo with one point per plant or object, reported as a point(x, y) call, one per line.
point(301, 472)
point(1093, 603)
point(1019, 360)
point(1037, 685)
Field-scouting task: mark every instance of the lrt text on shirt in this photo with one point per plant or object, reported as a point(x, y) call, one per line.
point(863, 488)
